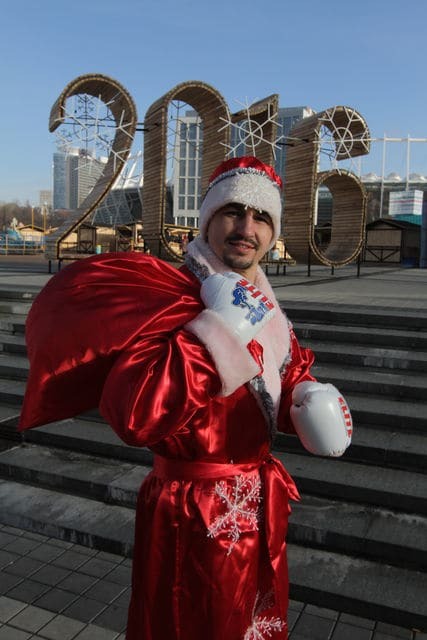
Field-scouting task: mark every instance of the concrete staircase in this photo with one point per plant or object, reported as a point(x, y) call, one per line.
point(357, 540)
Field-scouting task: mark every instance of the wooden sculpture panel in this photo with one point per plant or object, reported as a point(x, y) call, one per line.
point(350, 136)
point(123, 110)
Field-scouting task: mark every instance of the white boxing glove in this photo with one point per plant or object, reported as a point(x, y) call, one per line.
point(321, 418)
point(243, 307)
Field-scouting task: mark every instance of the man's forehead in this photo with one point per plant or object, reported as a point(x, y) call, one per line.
point(242, 208)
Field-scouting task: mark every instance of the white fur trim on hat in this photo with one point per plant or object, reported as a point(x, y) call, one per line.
point(246, 186)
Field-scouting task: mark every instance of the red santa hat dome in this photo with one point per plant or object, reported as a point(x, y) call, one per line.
point(247, 181)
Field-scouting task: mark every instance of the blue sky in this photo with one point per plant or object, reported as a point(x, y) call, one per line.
point(369, 55)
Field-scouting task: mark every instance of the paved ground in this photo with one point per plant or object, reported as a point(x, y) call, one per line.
point(53, 590)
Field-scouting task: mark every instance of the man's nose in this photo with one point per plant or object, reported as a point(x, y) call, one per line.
point(246, 224)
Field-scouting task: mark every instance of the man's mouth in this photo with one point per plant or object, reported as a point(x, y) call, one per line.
point(242, 245)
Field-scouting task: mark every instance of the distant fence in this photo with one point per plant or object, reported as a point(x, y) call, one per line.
point(24, 247)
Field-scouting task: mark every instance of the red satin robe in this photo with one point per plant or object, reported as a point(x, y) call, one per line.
point(210, 552)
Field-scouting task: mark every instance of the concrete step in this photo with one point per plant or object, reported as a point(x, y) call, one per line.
point(367, 356)
point(14, 307)
point(358, 586)
point(380, 317)
point(12, 392)
point(16, 292)
point(396, 384)
point(318, 575)
point(376, 337)
point(337, 479)
point(387, 413)
point(72, 518)
point(13, 366)
point(334, 478)
point(13, 344)
point(13, 322)
point(362, 530)
point(393, 449)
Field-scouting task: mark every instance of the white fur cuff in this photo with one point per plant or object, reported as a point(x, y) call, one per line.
point(232, 360)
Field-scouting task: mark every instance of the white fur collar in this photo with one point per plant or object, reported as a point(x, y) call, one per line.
point(274, 337)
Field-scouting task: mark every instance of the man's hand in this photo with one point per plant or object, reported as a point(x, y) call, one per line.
point(239, 303)
point(321, 418)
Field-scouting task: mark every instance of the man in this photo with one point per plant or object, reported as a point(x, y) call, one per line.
point(205, 381)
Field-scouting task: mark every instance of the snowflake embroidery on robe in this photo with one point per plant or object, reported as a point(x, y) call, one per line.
point(263, 627)
point(242, 506)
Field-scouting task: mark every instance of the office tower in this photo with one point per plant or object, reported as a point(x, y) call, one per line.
point(75, 173)
point(59, 180)
point(187, 169)
point(45, 198)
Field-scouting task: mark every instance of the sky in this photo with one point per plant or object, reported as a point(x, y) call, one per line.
point(369, 55)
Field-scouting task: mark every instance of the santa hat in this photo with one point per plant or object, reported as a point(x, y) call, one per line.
point(247, 181)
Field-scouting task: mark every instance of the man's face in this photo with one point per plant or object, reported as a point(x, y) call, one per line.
point(240, 236)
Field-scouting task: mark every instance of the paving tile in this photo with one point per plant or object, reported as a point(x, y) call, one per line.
point(21, 546)
point(292, 618)
point(105, 591)
point(84, 609)
point(12, 530)
point(124, 597)
point(34, 536)
point(85, 551)
point(98, 568)
point(92, 632)
point(64, 544)
point(70, 560)
point(8, 581)
point(5, 538)
point(113, 618)
point(321, 612)
point(358, 622)
point(55, 600)
point(110, 557)
point(313, 627)
point(344, 631)
point(77, 582)
point(295, 605)
point(9, 608)
point(7, 558)
point(28, 590)
point(31, 619)
point(24, 566)
point(382, 636)
point(121, 575)
point(50, 574)
point(393, 631)
point(46, 552)
point(62, 628)
point(8, 633)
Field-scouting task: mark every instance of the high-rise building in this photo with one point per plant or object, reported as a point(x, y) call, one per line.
point(45, 198)
point(59, 180)
point(75, 173)
point(187, 170)
point(186, 180)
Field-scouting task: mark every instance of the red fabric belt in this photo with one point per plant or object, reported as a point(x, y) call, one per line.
point(189, 470)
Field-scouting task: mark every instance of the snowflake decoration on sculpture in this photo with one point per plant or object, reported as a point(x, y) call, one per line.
point(342, 135)
point(89, 126)
point(263, 627)
point(241, 500)
point(246, 132)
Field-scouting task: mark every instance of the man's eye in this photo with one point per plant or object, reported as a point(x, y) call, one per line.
point(262, 218)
